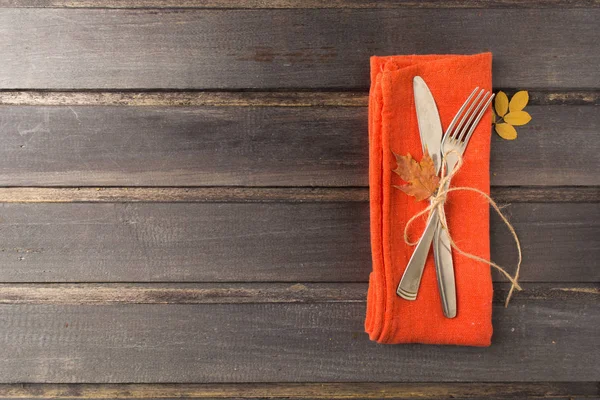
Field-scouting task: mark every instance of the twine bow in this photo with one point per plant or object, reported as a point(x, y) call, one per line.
point(437, 203)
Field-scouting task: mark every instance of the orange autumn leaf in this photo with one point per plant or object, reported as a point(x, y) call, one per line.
point(422, 180)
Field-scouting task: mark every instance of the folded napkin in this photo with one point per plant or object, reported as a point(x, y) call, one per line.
point(393, 128)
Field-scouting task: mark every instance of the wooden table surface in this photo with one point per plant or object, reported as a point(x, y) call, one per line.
point(184, 201)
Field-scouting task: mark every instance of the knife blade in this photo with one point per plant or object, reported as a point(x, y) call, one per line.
point(428, 118)
point(430, 130)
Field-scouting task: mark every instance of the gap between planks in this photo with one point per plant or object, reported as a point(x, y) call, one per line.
point(508, 194)
point(298, 4)
point(244, 293)
point(242, 99)
point(555, 390)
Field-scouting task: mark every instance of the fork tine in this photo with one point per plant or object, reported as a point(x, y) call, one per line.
point(459, 112)
point(479, 116)
point(466, 126)
point(465, 116)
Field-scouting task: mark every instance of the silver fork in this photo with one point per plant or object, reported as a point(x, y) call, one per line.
point(454, 143)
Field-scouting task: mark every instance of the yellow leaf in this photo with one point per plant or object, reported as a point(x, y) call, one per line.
point(501, 104)
point(493, 118)
point(518, 101)
point(506, 131)
point(517, 118)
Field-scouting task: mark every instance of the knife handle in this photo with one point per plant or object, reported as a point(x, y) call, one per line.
point(444, 267)
point(411, 279)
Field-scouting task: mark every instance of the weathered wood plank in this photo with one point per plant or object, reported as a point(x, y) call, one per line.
point(239, 194)
point(217, 49)
point(257, 146)
point(506, 194)
point(549, 340)
point(266, 4)
point(212, 242)
point(291, 391)
point(63, 146)
point(221, 99)
point(244, 293)
point(191, 293)
point(573, 194)
point(244, 99)
point(550, 148)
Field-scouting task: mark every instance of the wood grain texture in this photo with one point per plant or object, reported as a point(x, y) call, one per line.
point(534, 340)
point(291, 391)
point(310, 4)
point(502, 194)
point(63, 146)
point(239, 194)
point(195, 293)
point(230, 49)
point(182, 98)
point(272, 242)
point(244, 99)
point(257, 146)
point(245, 293)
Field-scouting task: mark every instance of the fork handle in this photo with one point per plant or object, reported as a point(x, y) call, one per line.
point(411, 279)
point(444, 267)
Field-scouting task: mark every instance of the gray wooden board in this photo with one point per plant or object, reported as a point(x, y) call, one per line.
point(257, 146)
point(266, 4)
point(276, 242)
point(277, 98)
point(290, 391)
point(243, 293)
point(228, 49)
point(239, 194)
point(535, 340)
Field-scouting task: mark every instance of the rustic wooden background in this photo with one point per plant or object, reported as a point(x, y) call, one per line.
point(184, 199)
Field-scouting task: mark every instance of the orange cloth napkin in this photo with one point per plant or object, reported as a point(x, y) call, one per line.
point(393, 128)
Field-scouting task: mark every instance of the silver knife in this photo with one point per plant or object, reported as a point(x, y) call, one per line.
point(430, 129)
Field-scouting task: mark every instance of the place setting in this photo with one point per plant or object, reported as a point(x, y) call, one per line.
point(430, 127)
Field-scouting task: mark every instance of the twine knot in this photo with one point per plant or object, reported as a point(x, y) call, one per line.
point(437, 202)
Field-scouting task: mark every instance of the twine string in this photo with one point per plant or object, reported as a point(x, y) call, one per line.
point(437, 202)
